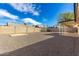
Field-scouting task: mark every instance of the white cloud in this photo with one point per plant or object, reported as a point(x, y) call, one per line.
point(5, 13)
point(30, 20)
point(26, 7)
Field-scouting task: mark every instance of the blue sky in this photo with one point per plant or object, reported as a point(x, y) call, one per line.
point(39, 13)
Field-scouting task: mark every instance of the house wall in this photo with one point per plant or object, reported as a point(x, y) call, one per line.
point(68, 29)
point(77, 12)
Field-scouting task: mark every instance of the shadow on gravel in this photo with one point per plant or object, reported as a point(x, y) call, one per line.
point(56, 46)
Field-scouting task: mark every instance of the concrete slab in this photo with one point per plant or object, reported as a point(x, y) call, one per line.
point(8, 43)
point(12, 35)
point(42, 44)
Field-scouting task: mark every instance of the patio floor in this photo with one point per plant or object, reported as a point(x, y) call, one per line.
point(40, 44)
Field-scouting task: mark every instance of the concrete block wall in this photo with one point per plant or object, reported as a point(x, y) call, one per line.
point(30, 29)
point(6, 30)
point(18, 29)
point(37, 30)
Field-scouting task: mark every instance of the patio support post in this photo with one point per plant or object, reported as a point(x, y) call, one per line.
point(59, 28)
point(78, 29)
point(62, 30)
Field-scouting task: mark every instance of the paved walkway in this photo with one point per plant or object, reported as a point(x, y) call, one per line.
point(51, 44)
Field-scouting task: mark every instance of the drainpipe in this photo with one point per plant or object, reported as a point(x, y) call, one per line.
point(59, 26)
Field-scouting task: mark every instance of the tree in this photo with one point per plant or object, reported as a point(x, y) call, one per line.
point(69, 16)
